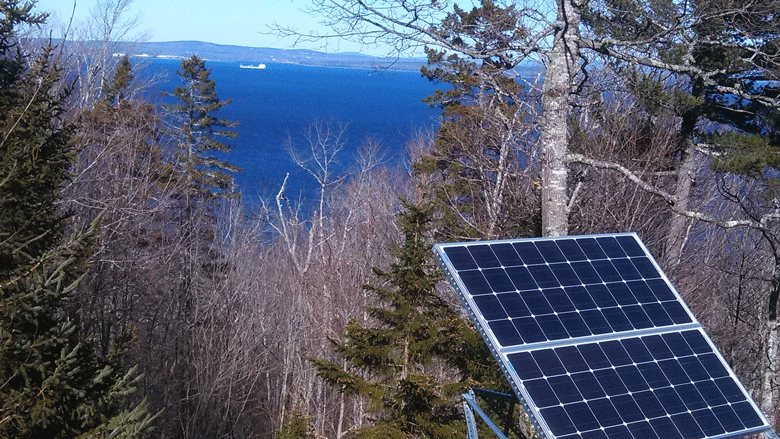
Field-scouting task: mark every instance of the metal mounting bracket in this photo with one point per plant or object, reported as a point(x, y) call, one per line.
point(471, 406)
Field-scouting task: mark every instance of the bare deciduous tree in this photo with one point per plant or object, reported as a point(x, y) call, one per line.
point(96, 45)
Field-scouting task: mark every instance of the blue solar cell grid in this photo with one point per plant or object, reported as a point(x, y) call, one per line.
point(568, 288)
point(596, 341)
point(636, 384)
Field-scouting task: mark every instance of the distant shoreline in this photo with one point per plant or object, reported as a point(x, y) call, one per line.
point(177, 50)
point(255, 55)
point(378, 66)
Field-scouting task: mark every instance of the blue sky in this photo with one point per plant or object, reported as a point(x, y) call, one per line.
point(237, 22)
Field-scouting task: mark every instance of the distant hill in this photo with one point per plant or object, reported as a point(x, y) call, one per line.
point(255, 55)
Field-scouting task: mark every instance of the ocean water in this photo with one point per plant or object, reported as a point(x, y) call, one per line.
point(280, 102)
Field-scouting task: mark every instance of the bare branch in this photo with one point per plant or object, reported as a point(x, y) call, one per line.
point(669, 198)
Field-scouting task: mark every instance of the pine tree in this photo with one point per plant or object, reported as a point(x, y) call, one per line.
point(413, 333)
point(115, 119)
point(202, 177)
point(743, 105)
point(295, 426)
point(53, 383)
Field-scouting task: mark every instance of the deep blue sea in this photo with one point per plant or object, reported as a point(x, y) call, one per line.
point(282, 100)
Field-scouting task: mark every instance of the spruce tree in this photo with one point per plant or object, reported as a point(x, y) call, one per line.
point(473, 174)
point(411, 333)
point(201, 181)
point(197, 131)
point(114, 91)
point(53, 384)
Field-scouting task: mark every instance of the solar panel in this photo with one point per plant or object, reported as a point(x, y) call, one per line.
point(596, 342)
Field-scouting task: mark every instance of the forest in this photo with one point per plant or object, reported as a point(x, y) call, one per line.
point(141, 298)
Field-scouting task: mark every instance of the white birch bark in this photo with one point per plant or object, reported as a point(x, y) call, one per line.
point(562, 62)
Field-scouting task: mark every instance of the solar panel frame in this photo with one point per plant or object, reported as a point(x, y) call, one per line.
point(630, 308)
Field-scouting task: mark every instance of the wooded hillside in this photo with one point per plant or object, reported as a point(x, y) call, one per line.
point(141, 299)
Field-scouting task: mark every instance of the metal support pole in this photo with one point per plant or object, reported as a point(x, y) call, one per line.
point(471, 423)
point(470, 399)
point(509, 417)
point(491, 396)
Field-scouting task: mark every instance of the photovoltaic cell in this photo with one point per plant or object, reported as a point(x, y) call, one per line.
point(596, 341)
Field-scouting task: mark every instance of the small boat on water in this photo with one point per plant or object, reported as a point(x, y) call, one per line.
point(249, 66)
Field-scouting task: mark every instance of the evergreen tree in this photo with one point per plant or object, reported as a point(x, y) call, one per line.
point(743, 102)
point(54, 384)
point(114, 91)
point(414, 333)
point(474, 174)
point(197, 131)
point(727, 97)
point(99, 127)
point(295, 426)
point(201, 180)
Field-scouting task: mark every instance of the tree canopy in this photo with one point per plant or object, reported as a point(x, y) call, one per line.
point(197, 131)
point(392, 359)
point(54, 383)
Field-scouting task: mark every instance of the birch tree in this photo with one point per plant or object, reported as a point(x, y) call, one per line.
point(109, 30)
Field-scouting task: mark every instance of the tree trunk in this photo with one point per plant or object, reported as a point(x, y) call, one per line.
point(495, 202)
point(678, 226)
point(768, 378)
point(561, 71)
point(772, 348)
point(342, 404)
